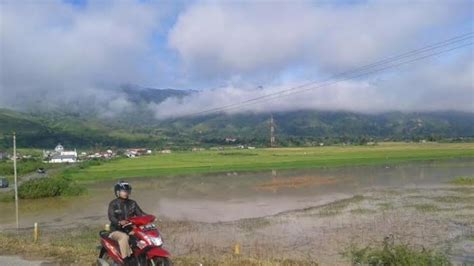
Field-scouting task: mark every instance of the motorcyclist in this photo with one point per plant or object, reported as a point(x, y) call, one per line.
point(120, 209)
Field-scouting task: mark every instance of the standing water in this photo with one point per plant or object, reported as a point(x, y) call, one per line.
point(233, 196)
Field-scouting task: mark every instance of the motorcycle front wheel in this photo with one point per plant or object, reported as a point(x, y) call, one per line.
point(159, 261)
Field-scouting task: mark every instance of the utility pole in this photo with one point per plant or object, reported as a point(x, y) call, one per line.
point(16, 180)
point(272, 131)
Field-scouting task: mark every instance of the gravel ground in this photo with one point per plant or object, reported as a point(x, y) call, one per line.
point(17, 261)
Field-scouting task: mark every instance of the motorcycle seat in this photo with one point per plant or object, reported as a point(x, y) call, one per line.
point(104, 234)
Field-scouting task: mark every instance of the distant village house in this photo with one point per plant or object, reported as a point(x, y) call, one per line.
point(230, 139)
point(135, 152)
point(109, 154)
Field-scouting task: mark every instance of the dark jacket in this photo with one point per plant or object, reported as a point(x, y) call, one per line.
point(122, 209)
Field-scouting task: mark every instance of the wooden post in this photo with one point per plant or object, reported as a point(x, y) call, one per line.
point(237, 249)
point(36, 233)
point(16, 181)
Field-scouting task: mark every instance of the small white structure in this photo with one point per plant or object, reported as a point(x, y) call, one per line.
point(130, 154)
point(230, 139)
point(59, 148)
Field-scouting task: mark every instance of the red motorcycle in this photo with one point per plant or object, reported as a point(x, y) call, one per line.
point(146, 244)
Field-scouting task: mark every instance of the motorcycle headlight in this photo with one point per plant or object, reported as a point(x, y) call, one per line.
point(157, 241)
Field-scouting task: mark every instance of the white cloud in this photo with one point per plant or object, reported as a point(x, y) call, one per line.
point(413, 88)
point(216, 39)
point(55, 54)
point(56, 49)
point(276, 40)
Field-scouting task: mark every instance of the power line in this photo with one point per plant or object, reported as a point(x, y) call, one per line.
point(287, 93)
point(257, 99)
point(390, 62)
point(397, 57)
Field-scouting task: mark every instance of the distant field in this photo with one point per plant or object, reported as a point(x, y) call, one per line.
point(180, 163)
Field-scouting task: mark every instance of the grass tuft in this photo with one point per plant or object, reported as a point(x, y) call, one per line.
point(390, 253)
point(463, 181)
point(425, 207)
point(337, 207)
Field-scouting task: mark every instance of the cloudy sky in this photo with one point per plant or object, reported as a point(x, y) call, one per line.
point(60, 52)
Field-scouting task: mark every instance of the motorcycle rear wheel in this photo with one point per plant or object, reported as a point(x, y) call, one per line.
point(108, 259)
point(159, 261)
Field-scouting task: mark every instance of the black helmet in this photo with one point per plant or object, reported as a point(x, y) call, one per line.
point(122, 185)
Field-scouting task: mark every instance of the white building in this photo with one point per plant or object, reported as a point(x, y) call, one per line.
point(62, 156)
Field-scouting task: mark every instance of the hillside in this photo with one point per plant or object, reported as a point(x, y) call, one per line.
point(310, 127)
point(139, 95)
point(44, 130)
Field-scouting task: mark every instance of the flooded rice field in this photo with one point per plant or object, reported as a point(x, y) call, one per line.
point(311, 214)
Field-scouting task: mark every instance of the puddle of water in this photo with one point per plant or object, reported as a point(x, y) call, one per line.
point(227, 197)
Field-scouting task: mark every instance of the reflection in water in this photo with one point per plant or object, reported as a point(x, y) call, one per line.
point(296, 182)
point(222, 197)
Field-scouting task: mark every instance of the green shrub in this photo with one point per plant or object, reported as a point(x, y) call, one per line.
point(89, 163)
point(24, 166)
point(396, 254)
point(463, 180)
point(73, 189)
point(48, 187)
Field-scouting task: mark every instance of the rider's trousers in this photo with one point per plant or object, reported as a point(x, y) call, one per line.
point(122, 239)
